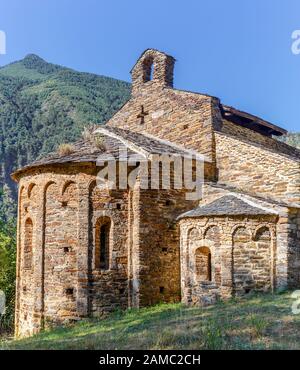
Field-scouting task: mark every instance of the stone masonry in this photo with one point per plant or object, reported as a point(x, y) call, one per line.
point(85, 250)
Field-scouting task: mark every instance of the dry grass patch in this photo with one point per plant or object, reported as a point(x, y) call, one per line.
point(65, 149)
point(96, 139)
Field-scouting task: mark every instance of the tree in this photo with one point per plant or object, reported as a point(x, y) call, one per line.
point(7, 272)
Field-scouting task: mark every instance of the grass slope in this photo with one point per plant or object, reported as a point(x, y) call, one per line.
point(256, 322)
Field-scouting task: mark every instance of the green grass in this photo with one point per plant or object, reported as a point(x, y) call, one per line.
point(256, 322)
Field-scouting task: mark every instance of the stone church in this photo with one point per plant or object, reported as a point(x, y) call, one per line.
point(85, 249)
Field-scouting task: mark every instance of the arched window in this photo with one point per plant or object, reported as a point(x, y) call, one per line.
point(31, 189)
point(28, 244)
point(203, 264)
point(102, 243)
point(148, 67)
point(213, 235)
point(242, 261)
point(263, 235)
point(69, 195)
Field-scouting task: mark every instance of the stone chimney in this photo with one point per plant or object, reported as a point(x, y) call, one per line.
point(154, 69)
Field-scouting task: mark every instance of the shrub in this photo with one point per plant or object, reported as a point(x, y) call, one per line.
point(88, 132)
point(98, 142)
point(8, 273)
point(96, 139)
point(65, 149)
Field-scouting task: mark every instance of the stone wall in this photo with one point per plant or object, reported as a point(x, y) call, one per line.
point(155, 67)
point(61, 214)
point(252, 260)
point(60, 250)
point(26, 299)
point(108, 286)
point(242, 256)
point(59, 208)
point(255, 163)
point(287, 231)
point(292, 236)
point(159, 273)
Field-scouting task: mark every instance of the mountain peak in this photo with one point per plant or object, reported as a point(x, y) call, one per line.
point(34, 58)
point(38, 64)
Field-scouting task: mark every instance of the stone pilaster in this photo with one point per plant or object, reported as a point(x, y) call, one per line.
point(38, 260)
point(83, 251)
point(18, 262)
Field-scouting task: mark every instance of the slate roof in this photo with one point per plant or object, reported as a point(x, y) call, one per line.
point(232, 189)
point(229, 205)
point(146, 142)
point(113, 139)
point(83, 151)
point(267, 127)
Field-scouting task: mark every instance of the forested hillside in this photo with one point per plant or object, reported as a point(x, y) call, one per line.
point(43, 105)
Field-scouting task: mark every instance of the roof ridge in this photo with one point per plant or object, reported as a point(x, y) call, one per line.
point(224, 206)
point(130, 145)
point(262, 198)
point(127, 141)
point(251, 203)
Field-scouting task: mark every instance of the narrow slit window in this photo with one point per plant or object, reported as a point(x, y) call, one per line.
point(102, 244)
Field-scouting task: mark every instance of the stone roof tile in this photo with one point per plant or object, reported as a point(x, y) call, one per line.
point(228, 205)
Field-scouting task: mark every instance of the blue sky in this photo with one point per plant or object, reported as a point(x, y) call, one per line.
point(237, 50)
